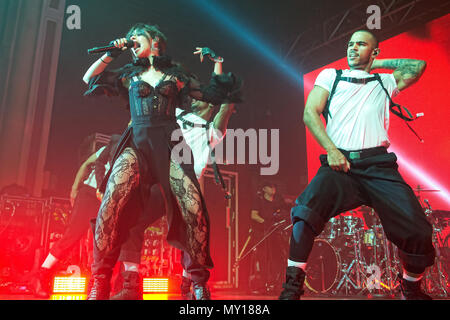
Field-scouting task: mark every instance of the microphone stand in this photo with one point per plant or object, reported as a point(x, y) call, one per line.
point(275, 227)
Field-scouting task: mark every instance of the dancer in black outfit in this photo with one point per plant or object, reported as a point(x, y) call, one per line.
point(155, 86)
point(357, 169)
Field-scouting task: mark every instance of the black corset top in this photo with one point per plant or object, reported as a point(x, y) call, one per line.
point(150, 105)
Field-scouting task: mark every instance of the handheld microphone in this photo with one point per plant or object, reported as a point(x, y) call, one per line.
point(111, 46)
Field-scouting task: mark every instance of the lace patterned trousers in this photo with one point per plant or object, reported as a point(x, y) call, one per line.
point(123, 181)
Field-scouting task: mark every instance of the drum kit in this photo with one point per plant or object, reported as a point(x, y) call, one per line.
point(353, 257)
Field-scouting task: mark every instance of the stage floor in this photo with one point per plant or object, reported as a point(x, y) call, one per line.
point(218, 295)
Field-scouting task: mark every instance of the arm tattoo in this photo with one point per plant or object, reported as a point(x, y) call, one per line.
point(408, 68)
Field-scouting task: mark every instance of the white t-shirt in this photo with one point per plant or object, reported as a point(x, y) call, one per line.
point(197, 139)
point(90, 181)
point(359, 112)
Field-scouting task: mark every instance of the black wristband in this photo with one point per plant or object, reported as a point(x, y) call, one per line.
point(114, 53)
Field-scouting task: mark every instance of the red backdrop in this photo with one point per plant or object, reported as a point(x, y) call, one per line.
point(425, 164)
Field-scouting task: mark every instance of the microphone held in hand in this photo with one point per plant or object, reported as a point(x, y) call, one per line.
point(110, 47)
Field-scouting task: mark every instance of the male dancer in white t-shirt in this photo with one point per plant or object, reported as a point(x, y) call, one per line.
point(357, 169)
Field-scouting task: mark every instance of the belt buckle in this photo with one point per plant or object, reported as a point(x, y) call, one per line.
point(354, 155)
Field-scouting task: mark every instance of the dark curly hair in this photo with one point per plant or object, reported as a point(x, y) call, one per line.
point(154, 32)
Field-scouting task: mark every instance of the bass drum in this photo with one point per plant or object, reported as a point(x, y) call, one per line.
point(323, 267)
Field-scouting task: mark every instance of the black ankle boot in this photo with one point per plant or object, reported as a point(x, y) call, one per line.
point(410, 290)
point(185, 288)
point(293, 287)
point(41, 285)
point(131, 287)
point(201, 291)
point(100, 287)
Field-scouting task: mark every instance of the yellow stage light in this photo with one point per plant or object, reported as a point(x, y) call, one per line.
point(69, 285)
point(155, 285)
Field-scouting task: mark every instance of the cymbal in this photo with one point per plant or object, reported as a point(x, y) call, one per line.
point(420, 188)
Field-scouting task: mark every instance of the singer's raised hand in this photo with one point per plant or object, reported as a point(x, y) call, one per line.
point(198, 50)
point(121, 43)
point(207, 52)
point(100, 65)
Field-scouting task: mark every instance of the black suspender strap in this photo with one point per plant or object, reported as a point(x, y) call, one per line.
point(326, 111)
point(397, 109)
point(358, 80)
point(217, 174)
point(392, 105)
point(187, 123)
point(339, 77)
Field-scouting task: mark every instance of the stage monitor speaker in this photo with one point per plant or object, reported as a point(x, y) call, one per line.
point(20, 235)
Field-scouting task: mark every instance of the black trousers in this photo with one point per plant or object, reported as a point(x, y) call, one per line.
point(85, 208)
point(374, 181)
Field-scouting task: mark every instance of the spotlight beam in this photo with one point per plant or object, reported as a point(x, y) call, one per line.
point(421, 175)
point(249, 38)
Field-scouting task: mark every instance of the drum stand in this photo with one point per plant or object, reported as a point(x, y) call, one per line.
point(433, 285)
point(346, 278)
point(241, 256)
point(346, 271)
point(275, 227)
point(391, 263)
point(387, 261)
point(437, 286)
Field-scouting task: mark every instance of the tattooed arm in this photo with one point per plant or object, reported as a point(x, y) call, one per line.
point(406, 71)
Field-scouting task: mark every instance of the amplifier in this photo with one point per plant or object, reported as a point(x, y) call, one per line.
point(20, 234)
